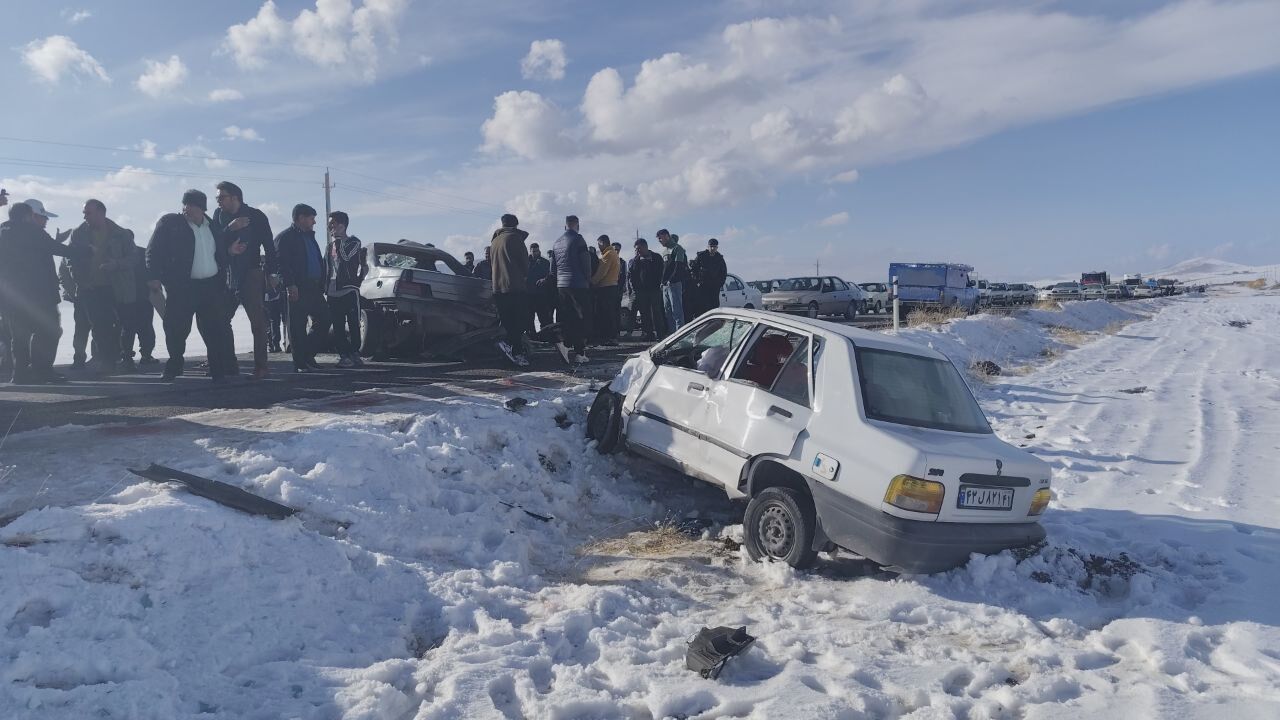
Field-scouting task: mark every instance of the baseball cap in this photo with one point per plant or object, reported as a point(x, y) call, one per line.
point(37, 207)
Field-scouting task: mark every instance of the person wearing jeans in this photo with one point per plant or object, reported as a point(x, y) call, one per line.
point(302, 270)
point(346, 268)
point(571, 269)
point(675, 273)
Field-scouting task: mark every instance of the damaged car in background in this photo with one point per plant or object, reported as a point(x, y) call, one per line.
point(837, 437)
point(419, 300)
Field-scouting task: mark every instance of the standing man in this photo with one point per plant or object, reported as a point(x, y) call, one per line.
point(646, 288)
point(484, 268)
point(675, 272)
point(137, 319)
point(708, 272)
point(346, 267)
point(189, 256)
point(571, 267)
point(604, 289)
point(247, 225)
point(6, 341)
point(510, 261)
point(469, 262)
point(101, 265)
point(79, 316)
point(29, 291)
point(542, 305)
point(302, 270)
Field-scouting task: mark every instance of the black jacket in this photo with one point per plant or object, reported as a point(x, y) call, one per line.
point(350, 262)
point(172, 249)
point(708, 271)
point(27, 274)
point(510, 260)
point(120, 249)
point(645, 273)
point(292, 246)
point(256, 236)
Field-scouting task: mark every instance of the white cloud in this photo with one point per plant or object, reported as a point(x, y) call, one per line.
point(147, 148)
point(197, 151)
point(839, 218)
point(162, 78)
point(525, 123)
point(57, 56)
point(75, 17)
point(225, 95)
point(333, 34)
point(545, 61)
point(235, 132)
point(66, 197)
point(848, 176)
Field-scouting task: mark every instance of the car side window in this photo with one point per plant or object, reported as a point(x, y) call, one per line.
point(707, 345)
point(827, 285)
point(794, 382)
point(762, 363)
point(732, 284)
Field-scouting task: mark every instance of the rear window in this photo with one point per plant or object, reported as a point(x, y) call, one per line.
point(920, 391)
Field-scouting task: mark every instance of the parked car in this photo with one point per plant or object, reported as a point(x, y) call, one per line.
point(984, 292)
point(765, 286)
point(1022, 294)
point(1000, 294)
point(736, 293)
point(1066, 291)
point(934, 285)
point(1045, 293)
point(1142, 290)
point(876, 296)
point(814, 296)
point(1093, 291)
point(417, 298)
point(838, 437)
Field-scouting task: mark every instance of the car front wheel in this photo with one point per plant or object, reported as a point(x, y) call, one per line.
point(813, 310)
point(604, 421)
point(851, 312)
point(779, 525)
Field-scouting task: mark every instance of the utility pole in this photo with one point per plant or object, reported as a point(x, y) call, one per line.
point(817, 268)
point(327, 209)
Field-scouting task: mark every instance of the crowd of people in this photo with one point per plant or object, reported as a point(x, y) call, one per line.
point(297, 293)
point(580, 289)
point(300, 295)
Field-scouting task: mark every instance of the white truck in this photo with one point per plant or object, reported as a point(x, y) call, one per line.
point(838, 437)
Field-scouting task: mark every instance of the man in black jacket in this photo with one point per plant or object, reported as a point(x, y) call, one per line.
point(509, 274)
point(345, 268)
point(645, 276)
point(101, 267)
point(29, 291)
point(708, 273)
point(302, 269)
point(241, 223)
point(541, 292)
point(189, 256)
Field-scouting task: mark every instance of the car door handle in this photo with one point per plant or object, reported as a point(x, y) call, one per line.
point(775, 410)
point(697, 387)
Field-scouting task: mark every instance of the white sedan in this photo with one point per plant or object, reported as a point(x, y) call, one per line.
point(737, 293)
point(840, 438)
point(875, 297)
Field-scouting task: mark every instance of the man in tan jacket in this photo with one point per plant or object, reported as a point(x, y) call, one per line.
point(508, 259)
point(606, 295)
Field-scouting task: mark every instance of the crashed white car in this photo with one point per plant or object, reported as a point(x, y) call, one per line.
point(839, 437)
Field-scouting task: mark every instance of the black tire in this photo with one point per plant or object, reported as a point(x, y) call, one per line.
point(748, 306)
point(370, 332)
point(851, 311)
point(779, 525)
point(879, 307)
point(813, 310)
point(604, 421)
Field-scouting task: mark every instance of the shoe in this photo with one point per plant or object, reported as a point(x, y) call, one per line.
point(274, 349)
point(355, 358)
point(564, 352)
point(504, 347)
point(260, 373)
point(346, 362)
point(578, 358)
point(303, 370)
point(313, 364)
point(78, 364)
point(148, 360)
point(521, 361)
point(170, 375)
point(127, 366)
point(53, 378)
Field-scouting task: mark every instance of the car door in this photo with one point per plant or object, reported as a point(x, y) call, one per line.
point(667, 414)
point(763, 405)
point(732, 295)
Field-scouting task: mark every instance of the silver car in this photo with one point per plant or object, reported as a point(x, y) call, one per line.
point(814, 296)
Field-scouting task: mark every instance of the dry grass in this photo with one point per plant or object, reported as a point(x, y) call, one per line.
point(934, 316)
point(659, 542)
point(1068, 336)
point(1114, 328)
point(1259, 284)
point(1050, 305)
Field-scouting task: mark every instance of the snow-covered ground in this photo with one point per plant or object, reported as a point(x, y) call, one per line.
point(413, 584)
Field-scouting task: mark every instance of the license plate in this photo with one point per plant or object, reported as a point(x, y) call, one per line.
point(976, 497)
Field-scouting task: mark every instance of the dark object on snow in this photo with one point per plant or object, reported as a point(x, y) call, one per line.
point(543, 518)
point(1029, 436)
point(1135, 390)
point(711, 648)
point(986, 367)
point(604, 421)
point(219, 492)
point(516, 403)
point(1239, 323)
point(693, 526)
point(563, 422)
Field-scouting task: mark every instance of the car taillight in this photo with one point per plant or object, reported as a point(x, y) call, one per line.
point(914, 494)
point(1040, 501)
point(406, 285)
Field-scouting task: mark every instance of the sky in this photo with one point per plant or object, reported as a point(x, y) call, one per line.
point(1030, 139)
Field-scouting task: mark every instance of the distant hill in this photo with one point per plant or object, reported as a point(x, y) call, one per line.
point(1204, 267)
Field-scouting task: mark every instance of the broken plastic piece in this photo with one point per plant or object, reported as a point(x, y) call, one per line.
point(219, 492)
point(711, 648)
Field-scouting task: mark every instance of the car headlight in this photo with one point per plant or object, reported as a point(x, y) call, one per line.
point(914, 494)
point(1040, 501)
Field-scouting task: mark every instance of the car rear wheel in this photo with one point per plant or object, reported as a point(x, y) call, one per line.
point(749, 306)
point(779, 525)
point(371, 335)
point(813, 310)
point(851, 310)
point(604, 421)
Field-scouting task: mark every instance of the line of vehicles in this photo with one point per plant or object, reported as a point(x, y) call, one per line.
point(1097, 285)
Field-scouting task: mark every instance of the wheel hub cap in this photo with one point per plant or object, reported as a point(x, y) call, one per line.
point(777, 531)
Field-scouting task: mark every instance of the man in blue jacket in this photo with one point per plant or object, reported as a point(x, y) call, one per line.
point(302, 270)
point(571, 268)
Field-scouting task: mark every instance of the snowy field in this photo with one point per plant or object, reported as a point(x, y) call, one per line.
point(413, 584)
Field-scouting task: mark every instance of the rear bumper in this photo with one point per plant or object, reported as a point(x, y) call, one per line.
point(912, 545)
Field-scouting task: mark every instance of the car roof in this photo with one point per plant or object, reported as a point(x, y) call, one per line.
point(862, 338)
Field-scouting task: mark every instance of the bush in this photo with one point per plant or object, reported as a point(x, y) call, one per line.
point(934, 316)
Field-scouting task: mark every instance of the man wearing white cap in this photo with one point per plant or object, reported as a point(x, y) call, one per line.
point(29, 291)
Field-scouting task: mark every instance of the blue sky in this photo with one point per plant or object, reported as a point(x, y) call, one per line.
point(1030, 139)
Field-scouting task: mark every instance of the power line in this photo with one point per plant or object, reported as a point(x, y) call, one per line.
point(150, 154)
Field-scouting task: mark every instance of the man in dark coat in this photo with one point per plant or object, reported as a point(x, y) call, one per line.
point(571, 268)
point(510, 263)
point(137, 319)
point(645, 276)
point(29, 291)
point(541, 290)
point(708, 273)
point(189, 256)
point(101, 265)
point(345, 268)
point(484, 268)
point(248, 274)
point(302, 270)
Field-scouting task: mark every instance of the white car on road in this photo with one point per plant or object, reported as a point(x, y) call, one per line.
point(839, 437)
point(876, 296)
point(737, 293)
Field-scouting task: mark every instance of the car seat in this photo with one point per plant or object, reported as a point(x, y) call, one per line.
point(765, 360)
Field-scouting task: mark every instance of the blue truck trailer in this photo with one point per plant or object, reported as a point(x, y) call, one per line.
point(934, 285)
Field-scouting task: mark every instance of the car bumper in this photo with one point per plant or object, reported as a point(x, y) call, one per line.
point(912, 545)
